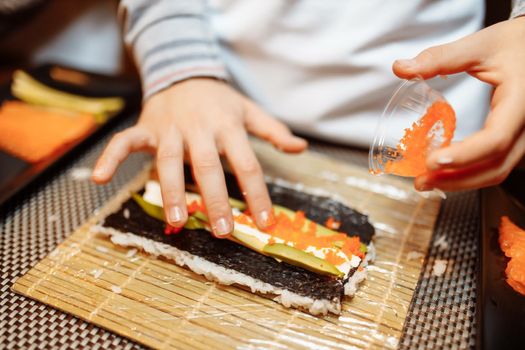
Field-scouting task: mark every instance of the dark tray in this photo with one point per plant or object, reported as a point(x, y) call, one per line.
point(15, 173)
point(500, 309)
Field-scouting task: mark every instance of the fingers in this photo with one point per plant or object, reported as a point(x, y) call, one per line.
point(457, 56)
point(267, 128)
point(504, 124)
point(121, 145)
point(170, 157)
point(487, 174)
point(250, 176)
point(209, 175)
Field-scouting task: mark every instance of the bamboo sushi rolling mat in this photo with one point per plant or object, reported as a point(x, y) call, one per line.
point(31, 226)
point(166, 307)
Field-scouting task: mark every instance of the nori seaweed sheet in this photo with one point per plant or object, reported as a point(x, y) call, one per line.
point(239, 258)
point(228, 254)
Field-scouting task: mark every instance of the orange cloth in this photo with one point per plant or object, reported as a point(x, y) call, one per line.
point(34, 133)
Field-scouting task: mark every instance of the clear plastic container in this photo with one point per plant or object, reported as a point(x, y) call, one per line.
point(403, 113)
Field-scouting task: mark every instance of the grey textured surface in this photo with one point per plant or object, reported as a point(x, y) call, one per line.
point(31, 226)
point(441, 315)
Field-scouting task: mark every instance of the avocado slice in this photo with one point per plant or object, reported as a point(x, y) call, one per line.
point(150, 209)
point(158, 213)
point(194, 224)
point(201, 216)
point(32, 91)
point(297, 257)
point(237, 204)
point(248, 241)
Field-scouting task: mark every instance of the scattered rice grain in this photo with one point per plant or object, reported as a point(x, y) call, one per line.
point(441, 243)
point(131, 253)
point(102, 249)
point(116, 289)
point(439, 268)
point(413, 255)
point(97, 273)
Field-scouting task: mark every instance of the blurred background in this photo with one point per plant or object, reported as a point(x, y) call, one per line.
point(86, 34)
point(79, 33)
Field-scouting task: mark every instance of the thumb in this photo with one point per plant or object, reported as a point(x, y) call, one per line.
point(454, 57)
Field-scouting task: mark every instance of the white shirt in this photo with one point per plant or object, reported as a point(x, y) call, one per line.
point(324, 67)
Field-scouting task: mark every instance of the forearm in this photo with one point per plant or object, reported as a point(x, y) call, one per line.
point(171, 41)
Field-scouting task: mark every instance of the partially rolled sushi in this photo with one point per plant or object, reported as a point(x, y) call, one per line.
point(300, 263)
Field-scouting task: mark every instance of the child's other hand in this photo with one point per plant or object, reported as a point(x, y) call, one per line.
point(495, 55)
point(203, 119)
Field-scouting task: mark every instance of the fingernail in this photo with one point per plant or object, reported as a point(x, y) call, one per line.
point(265, 219)
point(175, 215)
point(440, 193)
point(407, 63)
point(420, 183)
point(222, 227)
point(444, 160)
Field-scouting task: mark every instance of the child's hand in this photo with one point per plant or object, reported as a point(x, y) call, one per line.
point(495, 55)
point(202, 118)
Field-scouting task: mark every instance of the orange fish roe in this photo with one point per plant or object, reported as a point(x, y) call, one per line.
point(195, 206)
point(333, 258)
point(300, 244)
point(512, 243)
point(412, 148)
point(299, 220)
point(244, 219)
point(302, 235)
point(332, 224)
point(312, 228)
point(351, 246)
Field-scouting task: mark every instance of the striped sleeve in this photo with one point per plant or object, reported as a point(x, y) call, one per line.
point(171, 41)
point(518, 8)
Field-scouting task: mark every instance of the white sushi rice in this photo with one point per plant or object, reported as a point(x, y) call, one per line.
point(102, 249)
point(226, 276)
point(441, 243)
point(352, 285)
point(116, 289)
point(413, 255)
point(97, 273)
